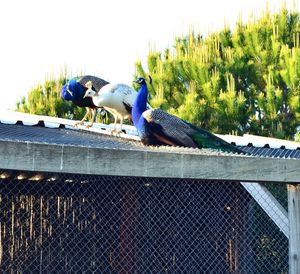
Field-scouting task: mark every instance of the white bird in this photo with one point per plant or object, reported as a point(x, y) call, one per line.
point(117, 99)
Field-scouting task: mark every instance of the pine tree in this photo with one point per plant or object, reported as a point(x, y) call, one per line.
point(244, 80)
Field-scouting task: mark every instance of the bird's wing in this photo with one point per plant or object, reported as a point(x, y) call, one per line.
point(128, 97)
point(128, 108)
point(115, 96)
point(167, 129)
point(126, 90)
point(97, 82)
point(183, 133)
point(124, 93)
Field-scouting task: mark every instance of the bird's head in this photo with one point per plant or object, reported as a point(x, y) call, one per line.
point(142, 80)
point(71, 89)
point(66, 94)
point(89, 93)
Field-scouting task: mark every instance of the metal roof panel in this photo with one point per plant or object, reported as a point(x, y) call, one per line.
point(52, 130)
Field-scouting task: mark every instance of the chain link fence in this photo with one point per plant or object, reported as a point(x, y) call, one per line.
point(65, 223)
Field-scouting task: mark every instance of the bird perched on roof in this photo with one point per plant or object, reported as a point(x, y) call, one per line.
point(74, 91)
point(157, 127)
point(117, 99)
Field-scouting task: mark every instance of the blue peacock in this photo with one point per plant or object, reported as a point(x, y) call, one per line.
point(157, 127)
point(74, 91)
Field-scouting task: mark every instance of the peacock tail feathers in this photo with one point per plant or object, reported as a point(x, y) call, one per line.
point(182, 133)
point(205, 139)
point(97, 82)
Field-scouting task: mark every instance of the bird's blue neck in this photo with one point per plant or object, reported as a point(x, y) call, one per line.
point(140, 104)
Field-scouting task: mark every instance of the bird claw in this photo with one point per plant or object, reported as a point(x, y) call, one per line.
point(115, 132)
point(118, 133)
point(89, 126)
point(78, 123)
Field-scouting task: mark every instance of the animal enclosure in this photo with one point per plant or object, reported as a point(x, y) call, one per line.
point(68, 223)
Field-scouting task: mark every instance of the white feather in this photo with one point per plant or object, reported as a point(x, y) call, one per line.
point(112, 97)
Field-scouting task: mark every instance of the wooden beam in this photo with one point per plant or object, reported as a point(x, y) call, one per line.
point(294, 220)
point(145, 163)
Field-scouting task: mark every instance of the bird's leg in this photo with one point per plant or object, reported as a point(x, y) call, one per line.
point(121, 123)
point(83, 119)
point(115, 124)
point(118, 132)
point(115, 130)
point(93, 118)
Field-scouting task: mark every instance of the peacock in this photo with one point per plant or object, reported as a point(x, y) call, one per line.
point(117, 99)
point(157, 127)
point(74, 91)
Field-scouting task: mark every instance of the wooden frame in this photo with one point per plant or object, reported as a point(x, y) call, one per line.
point(171, 164)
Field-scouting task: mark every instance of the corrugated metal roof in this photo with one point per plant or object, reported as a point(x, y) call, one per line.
point(62, 136)
point(85, 138)
point(45, 129)
point(259, 141)
point(271, 152)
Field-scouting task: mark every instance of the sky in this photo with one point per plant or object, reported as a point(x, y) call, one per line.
point(39, 38)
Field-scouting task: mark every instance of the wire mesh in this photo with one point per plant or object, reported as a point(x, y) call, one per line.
point(66, 223)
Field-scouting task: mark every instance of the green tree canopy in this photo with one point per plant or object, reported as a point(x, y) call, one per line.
point(244, 80)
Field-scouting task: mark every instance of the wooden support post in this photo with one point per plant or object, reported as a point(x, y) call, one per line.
point(294, 224)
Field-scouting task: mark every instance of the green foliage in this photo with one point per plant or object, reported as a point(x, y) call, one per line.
point(245, 81)
point(44, 99)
